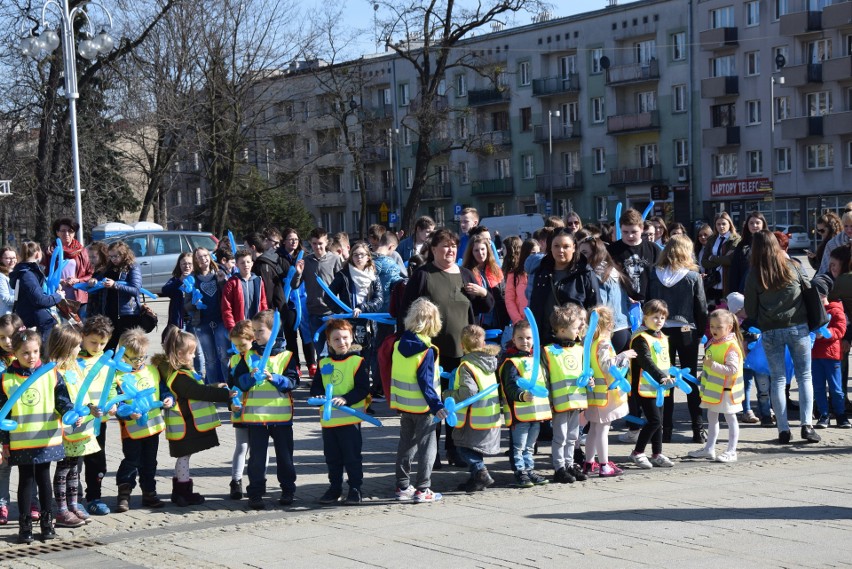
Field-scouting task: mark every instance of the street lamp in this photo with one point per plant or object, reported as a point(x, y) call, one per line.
point(90, 47)
point(780, 61)
point(550, 115)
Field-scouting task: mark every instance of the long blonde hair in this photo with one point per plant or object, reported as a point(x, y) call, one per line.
point(61, 344)
point(175, 342)
point(678, 254)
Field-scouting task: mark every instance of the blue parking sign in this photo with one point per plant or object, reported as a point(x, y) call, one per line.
point(457, 209)
point(392, 218)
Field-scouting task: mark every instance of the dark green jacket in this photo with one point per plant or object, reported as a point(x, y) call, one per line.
point(774, 309)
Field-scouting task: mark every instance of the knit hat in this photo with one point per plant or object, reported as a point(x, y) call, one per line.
point(823, 283)
point(735, 302)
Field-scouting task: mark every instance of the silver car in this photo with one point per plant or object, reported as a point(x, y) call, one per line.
point(797, 234)
point(157, 252)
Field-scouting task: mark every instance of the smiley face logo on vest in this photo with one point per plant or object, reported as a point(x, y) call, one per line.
point(571, 364)
point(31, 398)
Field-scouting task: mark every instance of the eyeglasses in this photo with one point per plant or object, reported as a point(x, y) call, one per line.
point(651, 235)
point(821, 231)
point(573, 222)
point(138, 359)
point(71, 231)
point(360, 255)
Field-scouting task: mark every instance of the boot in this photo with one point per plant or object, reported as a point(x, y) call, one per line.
point(236, 489)
point(699, 435)
point(151, 500)
point(178, 497)
point(193, 498)
point(46, 523)
point(123, 503)
point(482, 479)
point(25, 529)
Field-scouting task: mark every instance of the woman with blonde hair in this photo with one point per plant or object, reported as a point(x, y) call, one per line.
point(676, 282)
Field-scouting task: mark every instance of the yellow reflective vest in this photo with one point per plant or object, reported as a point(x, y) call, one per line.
point(660, 357)
point(264, 403)
point(713, 384)
point(35, 412)
point(342, 379)
point(96, 388)
point(600, 395)
point(84, 432)
point(485, 413)
point(564, 366)
point(526, 411)
point(202, 413)
point(146, 378)
point(405, 392)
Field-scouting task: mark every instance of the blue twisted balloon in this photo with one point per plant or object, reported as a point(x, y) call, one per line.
point(80, 408)
point(536, 353)
point(681, 375)
point(260, 371)
point(661, 389)
point(635, 316)
point(114, 364)
point(57, 264)
point(141, 402)
point(453, 408)
point(617, 222)
point(587, 375)
point(7, 424)
point(380, 317)
point(346, 308)
point(648, 210)
point(620, 381)
point(327, 405)
point(635, 420)
point(292, 273)
point(237, 401)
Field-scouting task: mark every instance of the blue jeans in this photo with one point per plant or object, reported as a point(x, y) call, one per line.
point(214, 343)
point(282, 440)
point(140, 457)
point(473, 458)
point(524, 436)
point(828, 372)
point(761, 381)
point(796, 339)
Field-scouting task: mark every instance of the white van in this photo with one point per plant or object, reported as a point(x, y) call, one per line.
point(522, 225)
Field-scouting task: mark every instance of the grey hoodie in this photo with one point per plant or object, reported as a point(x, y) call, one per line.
point(324, 269)
point(486, 442)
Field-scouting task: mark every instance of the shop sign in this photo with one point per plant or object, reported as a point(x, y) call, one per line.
point(732, 188)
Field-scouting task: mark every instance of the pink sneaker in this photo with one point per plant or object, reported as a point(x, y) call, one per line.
point(610, 469)
point(591, 467)
point(4, 515)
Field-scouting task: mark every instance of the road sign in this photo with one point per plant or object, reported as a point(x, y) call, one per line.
point(547, 208)
point(384, 209)
point(457, 209)
point(393, 218)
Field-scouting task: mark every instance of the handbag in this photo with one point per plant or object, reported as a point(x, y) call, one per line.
point(817, 317)
point(147, 318)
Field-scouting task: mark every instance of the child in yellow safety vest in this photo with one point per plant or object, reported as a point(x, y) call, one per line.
point(349, 376)
point(562, 364)
point(605, 404)
point(63, 345)
point(652, 356)
point(477, 432)
point(525, 411)
point(191, 423)
point(9, 324)
point(37, 440)
point(242, 338)
point(722, 390)
point(140, 442)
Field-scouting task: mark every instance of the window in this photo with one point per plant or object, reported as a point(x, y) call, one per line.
point(681, 146)
point(442, 87)
point(782, 108)
point(529, 166)
point(524, 72)
point(502, 81)
point(197, 196)
point(571, 162)
point(385, 96)
point(820, 156)
point(406, 136)
point(752, 61)
point(245, 154)
point(722, 17)
point(645, 51)
point(600, 160)
point(725, 165)
point(503, 168)
point(848, 45)
point(408, 176)
point(753, 112)
point(598, 115)
point(464, 173)
point(679, 98)
point(818, 103)
point(647, 155)
point(776, 51)
point(461, 127)
point(724, 115)
point(755, 162)
point(567, 66)
point(500, 120)
point(309, 147)
point(752, 13)
point(646, 101)
point(678, 42)
point(526, 119)
point(783, 160)
point(570, 113)
point(849, 154)
point(597, 54)
point(779, 8)
point(443, 173)
point(196, 162)
point(724, 66)
point(818, 51)
point(461, 86)
point(403, 95)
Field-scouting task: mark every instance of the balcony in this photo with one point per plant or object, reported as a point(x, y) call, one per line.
point(721, 136)
point(482, 97)
point(560, 132)
point(374, 154)
point(559, 182)
point(839, 68)
point(489, 142)
point(375, 195)
point(718, 38)
point(636, 122)
point(494, 187)
point(802, 127)
point(439, 103)
point(640, 175)
point(556, 85)
point(724, 86)
point(837, 15)
point(801, 75)
point(633, 73)
point(376, 112)
point(329, 198)
point(800, 23)
point(439, 191)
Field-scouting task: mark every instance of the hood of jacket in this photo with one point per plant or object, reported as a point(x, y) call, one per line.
point(483, 360)
point(22, 268)
point(411, 344)
point(669, 277)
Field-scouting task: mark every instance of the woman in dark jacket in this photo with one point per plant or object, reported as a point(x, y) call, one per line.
point(828, 225)
point(33, 304)
point(119, 299)
point(177, 299)
point(716, 257)
point(755, 221)
point(563, 276)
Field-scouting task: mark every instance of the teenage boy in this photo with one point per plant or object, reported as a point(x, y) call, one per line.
point(321, 264)
point(243, 295)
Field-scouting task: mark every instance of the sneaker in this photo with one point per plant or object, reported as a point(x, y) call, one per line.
point(537, 478)
point(629, 436)
point(97, 508)
point(844, 424)
point(702, 453)
point(609, 469)
point(577, 472)
point(256, 503)
point(331, 496)
point(593, 467)
point(80, 512)
point(750, 418)
point(312, 370)
point(579, 456)
point(767, 422)
point(563, 476)
point(67, 519)
point(4, 515)
point(522, 480)
point(35, 513)
point(403, 495)
point(641, 460)
point(822, 422)
point(427, 496)
point(286, 498)
point(236, 492)
point(353, 498)
point(662, 461)
point(727, 456)
point(809, 435)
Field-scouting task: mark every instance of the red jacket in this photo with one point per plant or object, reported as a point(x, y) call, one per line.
point(233, 307)
point(829, 348)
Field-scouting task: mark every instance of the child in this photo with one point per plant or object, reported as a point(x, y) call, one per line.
point(242, 337)
point(97, 330)
point(652, 355)
point(9, 324)
point(562, 364)
point(416, 394)
point(268, 413)
point(825, 359)
point(48, 400)
point(191, 423)
point(139, 443)
point(722, 384)
point(477, 432)
point(226, 261)
point(243, 295)
point(63, 345)
point(605, 404)
point(341, 435)
point(734, 302)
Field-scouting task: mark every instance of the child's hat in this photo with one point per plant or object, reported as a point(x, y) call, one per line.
point(823, 284)
point(735, 301)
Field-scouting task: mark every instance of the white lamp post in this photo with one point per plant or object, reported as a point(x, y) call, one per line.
point(90, 47)
point(550, 115)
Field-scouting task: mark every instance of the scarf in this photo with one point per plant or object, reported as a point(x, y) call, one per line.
point(72, 250)
point(363, 281)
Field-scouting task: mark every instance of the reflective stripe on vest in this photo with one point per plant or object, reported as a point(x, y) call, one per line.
point(528, 411)
point(264, 403)
point(70, 433)
point(405, 392)
point(97, 386)
point(146, 378)
point(35, 412)
point(564, 369)
point(342, 379)
point(203, 413)
point(714, 384)
point(600, 395)
point(485, 413)
point(660, 359)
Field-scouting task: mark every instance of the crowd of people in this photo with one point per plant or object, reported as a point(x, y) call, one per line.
point(503, 323)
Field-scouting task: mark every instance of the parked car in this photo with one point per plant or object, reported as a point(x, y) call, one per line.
point(157, 252)
point(798, 235)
